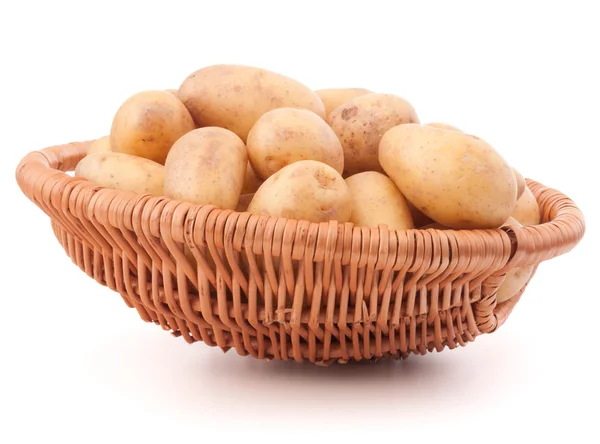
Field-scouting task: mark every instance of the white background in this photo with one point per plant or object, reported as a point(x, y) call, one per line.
point(78, 366)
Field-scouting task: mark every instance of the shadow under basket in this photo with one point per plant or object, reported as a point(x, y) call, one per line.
point(284, 289)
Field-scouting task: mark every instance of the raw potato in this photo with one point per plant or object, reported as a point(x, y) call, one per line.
point(101, 145)
point(361, 122)
point(207, 167)
point(234, 96)
point(334, 97)
point(251, 181)
point(456, 179)
point(527, 210)
point(377, 201)
point(148, 124)
point(513, 282)
point(515, 278)
point(520, 184)
point(443, 126)
point(305, 190)
point(122, 172)
point(285, 135)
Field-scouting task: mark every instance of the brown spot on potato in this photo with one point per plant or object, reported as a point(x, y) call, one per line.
point(348, 113)
point(325, 181)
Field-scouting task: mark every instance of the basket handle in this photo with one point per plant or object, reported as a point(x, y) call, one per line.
point(562, 227)
point(49, 164)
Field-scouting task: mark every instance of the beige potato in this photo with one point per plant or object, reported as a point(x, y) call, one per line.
point(520, 184)
point(234, 96)
point(251, 181)
point(101, 145)
point(285, 135)
point(513, 282)
point(361, 122)
point(515, 278)
point(377, 201)
point(443, 126)
point(519, 177)
point(456, 179)
point(148, 124)
point(207, 167)
point(527, 210)
point(122, 172)
point(334, 97)
point(304, 190)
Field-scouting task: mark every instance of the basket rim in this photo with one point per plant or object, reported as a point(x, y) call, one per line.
point(562, 229)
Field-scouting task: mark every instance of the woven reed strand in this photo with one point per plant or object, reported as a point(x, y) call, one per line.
point(285, 289)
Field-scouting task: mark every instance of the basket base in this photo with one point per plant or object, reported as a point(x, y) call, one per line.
point(276, 337)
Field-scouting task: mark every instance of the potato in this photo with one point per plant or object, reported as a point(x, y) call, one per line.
point(122, 172)
point(148, 124)
point(443, 126)
point(520, 183)
point(101, 145)
point(377, 201)
point(334, 97)
point(511, 221)
point(286, 135)
point(361, 122)
point(456, 179)
point(515, 278)
point(251, 181)
point(513, 282)
point(207, 167)
point(234, 97)
point(527, 210)
point(304, 190)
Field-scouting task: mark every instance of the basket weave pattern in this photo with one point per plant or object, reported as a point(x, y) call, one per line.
point(285, 289)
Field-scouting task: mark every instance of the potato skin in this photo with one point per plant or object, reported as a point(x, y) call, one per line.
point(516, 277)
point(456, 179)
point(513, 282)
point(520, 183)
point(334, 97)
point(285, 135)
point(377, 201)
point(443, 126)
point(235, 96)
point(122, 172)
point(207, 167)
point(361, 122)
point(304, 190)
point(101, 145)
point(527, 210)
point(148, 124)
point(251, 181)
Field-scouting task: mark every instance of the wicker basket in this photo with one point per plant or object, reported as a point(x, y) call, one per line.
point(286, 289)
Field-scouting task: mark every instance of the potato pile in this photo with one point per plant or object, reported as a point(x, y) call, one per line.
point(247, 139)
